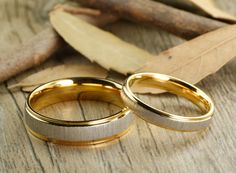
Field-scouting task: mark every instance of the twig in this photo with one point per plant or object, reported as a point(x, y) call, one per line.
point(178, 22)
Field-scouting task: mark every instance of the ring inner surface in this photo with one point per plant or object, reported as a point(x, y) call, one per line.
point(173, 86)
point(70, 90)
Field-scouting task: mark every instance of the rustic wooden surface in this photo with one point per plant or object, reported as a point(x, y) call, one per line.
point(146, 148)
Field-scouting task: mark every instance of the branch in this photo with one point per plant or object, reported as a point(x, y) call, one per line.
point(175, 21)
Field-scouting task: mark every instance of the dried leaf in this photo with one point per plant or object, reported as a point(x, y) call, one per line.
point(57, 72)
point(194, 60)
point(98, 45)
point(190, 61)
point(209, 7)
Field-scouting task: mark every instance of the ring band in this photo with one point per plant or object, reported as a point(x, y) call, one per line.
point(162, 118)
point(77, 132)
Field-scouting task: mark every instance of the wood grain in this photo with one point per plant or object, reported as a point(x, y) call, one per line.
point(146, 148)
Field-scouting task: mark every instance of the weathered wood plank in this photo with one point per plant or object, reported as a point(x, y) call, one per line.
point(146, 148)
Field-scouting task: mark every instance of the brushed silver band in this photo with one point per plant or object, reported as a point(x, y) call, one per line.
point(77, 132)
point(162, 118)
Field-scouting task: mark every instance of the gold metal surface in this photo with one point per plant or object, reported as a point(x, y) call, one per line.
point(77, 132)
point(172, 85)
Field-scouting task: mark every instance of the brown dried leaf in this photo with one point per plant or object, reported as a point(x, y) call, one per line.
point(57, 72)
point(208, 6)
point(194, 60)
point(190, 61)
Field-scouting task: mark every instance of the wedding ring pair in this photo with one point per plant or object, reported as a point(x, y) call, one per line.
point(116, 125)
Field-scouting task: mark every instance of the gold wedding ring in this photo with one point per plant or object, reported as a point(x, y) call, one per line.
point(172, 85)
point(77, 132)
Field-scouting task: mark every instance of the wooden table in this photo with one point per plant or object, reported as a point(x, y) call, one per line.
point(146, 148)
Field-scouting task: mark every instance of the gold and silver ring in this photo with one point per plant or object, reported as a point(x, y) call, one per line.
point(162, 118)
point(77, 132)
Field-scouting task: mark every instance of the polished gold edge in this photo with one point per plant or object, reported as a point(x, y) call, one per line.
point(78, 143)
